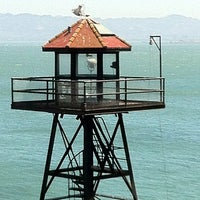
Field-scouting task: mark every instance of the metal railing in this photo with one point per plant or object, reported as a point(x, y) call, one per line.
point(67, 92)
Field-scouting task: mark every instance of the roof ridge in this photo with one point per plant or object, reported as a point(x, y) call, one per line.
point(95, 31)
point(73, 37)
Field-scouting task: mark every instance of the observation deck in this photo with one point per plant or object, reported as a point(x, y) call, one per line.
point(87, 97)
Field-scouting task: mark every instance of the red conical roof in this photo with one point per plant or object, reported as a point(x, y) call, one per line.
point(86, 34)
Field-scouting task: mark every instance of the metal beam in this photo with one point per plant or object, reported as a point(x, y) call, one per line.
point(49, 156)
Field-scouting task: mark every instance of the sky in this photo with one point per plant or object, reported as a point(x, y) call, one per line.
point(104, 8)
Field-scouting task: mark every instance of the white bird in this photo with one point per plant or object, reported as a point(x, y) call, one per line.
point(78, 11)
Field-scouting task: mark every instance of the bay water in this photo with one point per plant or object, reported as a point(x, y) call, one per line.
point(164, 144)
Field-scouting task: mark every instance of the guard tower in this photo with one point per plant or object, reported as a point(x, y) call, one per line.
point(87, 84)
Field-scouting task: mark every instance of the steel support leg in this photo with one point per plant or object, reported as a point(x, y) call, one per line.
point(87, 122)
point(49, 155)
point(133, 189)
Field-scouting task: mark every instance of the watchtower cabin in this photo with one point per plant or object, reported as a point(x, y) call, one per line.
point(87, 84)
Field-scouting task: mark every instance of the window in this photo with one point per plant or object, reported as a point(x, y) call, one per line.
point(109, 64)
point(64, 64)
point(87, 65)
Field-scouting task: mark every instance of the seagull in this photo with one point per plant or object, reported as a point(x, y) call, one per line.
point(78, 11)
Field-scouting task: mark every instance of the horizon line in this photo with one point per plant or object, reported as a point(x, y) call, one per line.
point(125, 17)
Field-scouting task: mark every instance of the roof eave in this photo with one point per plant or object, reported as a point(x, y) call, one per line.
point(83, 50)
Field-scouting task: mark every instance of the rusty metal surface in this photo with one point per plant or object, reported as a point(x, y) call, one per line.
point(79, 109)
point(86, 34)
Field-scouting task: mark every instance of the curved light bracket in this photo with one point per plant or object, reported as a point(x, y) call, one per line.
point(156, 39)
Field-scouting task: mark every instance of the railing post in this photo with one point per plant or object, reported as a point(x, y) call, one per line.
point(118, 90)
point(47, 95)
point(125, 91)
point(163, 92)
point(84, 96)
point(53, 88)
point(84, 92)
point(12, 95)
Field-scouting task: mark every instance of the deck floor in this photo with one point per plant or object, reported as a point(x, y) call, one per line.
point(87, 109)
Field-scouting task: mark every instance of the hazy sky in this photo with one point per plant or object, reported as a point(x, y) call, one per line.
point(105, 8)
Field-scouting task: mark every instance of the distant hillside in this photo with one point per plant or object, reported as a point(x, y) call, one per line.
point(173, 28)
point(27, 27)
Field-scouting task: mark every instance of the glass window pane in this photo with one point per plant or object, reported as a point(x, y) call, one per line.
point(87, 64)
point(109, 64)
point(64, 62)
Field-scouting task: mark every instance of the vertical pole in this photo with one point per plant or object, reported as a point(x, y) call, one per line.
point(49, 155)
point(160, 52)
point(117, 77)
point(127, 156)
point(57, 70)
point(126, 91)
point(57, 73)
point(12, 86)
point(117, 66)
point(100, 76)
point(159, 47)
point(88, 157)
point(161, 83)
point(99, 66)
point(47, 95)
point(74, 66)
point(74, 74)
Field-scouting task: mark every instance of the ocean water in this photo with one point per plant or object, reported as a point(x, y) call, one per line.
point(164, 144)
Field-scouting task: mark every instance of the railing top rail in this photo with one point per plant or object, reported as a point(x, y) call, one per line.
point(37, 78)
point(123, 78)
